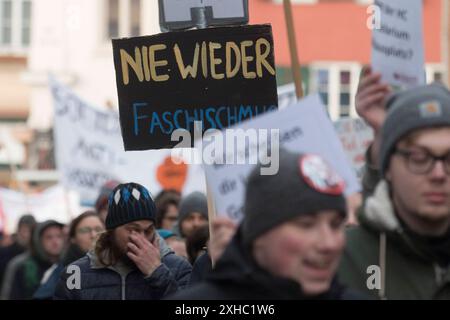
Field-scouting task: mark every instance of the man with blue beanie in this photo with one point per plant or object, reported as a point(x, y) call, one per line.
point(130, 260)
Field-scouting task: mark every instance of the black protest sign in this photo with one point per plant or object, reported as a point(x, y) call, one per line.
point(219, 76)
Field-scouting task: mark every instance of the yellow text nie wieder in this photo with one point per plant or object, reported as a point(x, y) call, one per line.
point(249, 58)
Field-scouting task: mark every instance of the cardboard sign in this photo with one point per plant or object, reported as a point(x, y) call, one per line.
point(220, 76)
point(89, 152)
point(183, 14)
point(397, 43)
point(303, 127)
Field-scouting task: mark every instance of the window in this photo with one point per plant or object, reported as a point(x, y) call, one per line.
point(336, 83)
point(438, 76)
point(123, 18)
point(26, 23)
point(436, 72)
point(6, 22)
point(15, 24)
point(345, 92)
point(322, 85)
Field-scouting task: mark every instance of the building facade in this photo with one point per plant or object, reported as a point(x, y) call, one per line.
point(334, 44)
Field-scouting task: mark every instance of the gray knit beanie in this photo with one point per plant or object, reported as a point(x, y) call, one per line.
point(304, 184)
point(417, 108)
point(194, 202)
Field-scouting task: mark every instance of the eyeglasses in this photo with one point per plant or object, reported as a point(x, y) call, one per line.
point(86, 230)
point(422, 162)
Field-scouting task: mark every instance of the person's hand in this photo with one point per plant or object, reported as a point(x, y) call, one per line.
point(223, 230)
point(144, 254)
point(354, 201)
point(371, 97)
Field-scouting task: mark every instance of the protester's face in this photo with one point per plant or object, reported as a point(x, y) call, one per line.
point(24, 234)
point(170, 217)
point(192, 222)
point(123, 233)
point(422, 200)
point(87, 232)
point(306, 250)
point(52, 240)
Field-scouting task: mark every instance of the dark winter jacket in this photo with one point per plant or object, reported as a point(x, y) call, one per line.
point(396, 264)
point(120, 282)
point(237, 277)
point(46, 290)
point(6, 255)
point(27, 273)
point(201, 268)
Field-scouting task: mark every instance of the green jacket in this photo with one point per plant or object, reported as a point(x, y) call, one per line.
point(407, 267)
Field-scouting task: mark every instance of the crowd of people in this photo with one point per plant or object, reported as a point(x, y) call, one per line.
point(297, 240)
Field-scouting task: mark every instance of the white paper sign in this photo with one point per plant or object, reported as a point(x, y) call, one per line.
point(303, 127)
point(54, 203)
point(89, 152)
point(397, 42)
point(355, 136)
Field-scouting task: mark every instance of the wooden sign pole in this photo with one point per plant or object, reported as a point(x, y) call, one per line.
point(295, 64)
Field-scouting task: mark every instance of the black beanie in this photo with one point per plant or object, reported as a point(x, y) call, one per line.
point(127, 203)
point(304, 184)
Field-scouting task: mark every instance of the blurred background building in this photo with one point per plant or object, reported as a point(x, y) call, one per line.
point(71, 39)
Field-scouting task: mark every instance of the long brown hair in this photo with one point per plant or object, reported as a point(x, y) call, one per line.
point(106, 250)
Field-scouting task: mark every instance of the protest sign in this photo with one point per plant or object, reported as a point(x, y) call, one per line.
point(53, 203)
point(183, 14)
point(397, 42)
point(355, 136)
point(89, 152)
point(303, 127)
point(220, 76)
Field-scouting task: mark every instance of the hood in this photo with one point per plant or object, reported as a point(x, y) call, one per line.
point(378, 213)
point(379, 216)
point(238, 267)
point(36, 244)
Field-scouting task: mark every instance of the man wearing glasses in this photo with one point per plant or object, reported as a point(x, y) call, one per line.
point(401, 249)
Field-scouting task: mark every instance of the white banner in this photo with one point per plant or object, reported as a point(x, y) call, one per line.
point(303, 127)
point(397, 42)
point(54, 203)
point(89, 151)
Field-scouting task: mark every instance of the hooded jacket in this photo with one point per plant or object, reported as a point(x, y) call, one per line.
point(51, 277)
point(238, 277)
point(395, 263)
point(26, 275)
point(121, 282)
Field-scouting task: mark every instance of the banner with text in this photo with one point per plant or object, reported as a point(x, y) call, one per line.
point(303, 127)
point(219, 76)
point(397, 42)
point(89, 152)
